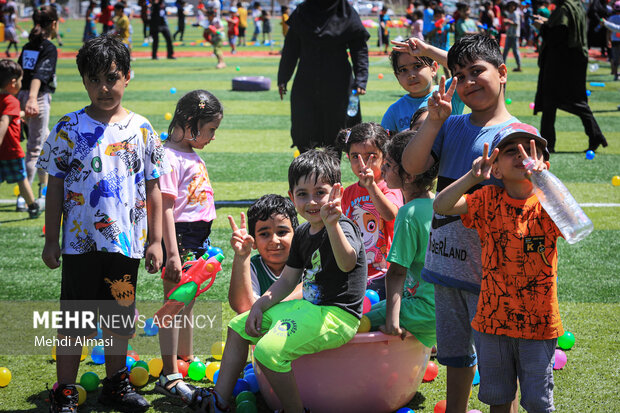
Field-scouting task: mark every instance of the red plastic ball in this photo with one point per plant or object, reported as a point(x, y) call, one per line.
point(431, 372)
point(366, 305)
point(440, 407)
point(183, 367)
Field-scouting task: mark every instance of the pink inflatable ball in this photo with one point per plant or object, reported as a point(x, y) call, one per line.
point(532, 105)
point(366, 305)
point(440, 407)
point(474, 411)
point(566, 341)
point(387, 379)
point(431, 372)
point(560, 360)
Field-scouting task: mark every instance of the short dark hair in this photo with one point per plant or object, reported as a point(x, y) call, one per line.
point(316, 162)
point(439, 10)
point(119, 5)
point(193, 108)
point(269, 205)
point(474, 47)
point(394, 55)
point(367, 131)
point(417, 114)
point(9, 70)
point(97, 55)
point(395, 147)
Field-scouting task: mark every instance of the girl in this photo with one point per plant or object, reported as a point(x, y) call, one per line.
point(410, 303)
point(10, 32)
point(369, 202)
point(90, 29)
point(38, 60)
point(188, 211)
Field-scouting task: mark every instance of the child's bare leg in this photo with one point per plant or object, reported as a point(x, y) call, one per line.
point(67, 362)
point(285, 387)
point(502, 408)
point(115, 354)
point(26, 191)
point(233, 360)
point(168, 341)
point(185, 348)
point(459, 380)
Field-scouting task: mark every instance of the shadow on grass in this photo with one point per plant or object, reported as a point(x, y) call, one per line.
point(6, 221)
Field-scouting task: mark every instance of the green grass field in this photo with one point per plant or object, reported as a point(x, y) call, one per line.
point(250, 157)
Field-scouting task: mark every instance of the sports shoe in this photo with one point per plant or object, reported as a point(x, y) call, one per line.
point(117, 392)
point(34, 210)
point(64, 399)
point(21, 206)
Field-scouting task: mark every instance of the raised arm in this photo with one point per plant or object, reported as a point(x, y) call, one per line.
point(345, 255)
point(416, 48)
point(240, 293)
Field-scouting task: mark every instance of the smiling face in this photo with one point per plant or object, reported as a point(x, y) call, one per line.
point(309, 196)
point(390, 173)
point(481, 84)
point(414, 75)
point(509, 163)
point(370, 154)
point(206, 134)
point(272, 239)
point(105, 90)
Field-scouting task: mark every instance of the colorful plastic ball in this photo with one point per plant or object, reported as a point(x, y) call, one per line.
point(476, 378)
point(566, 341)
point(54, 352)
point(241, 385)
point(155, 366)
point(560, 360)
point(140, 363)
point(196, 370)
point(5, 376)
point(508, 101)
point(253, 382)
point(364, 325)
point(215, 375)
point(366, 305)
point(373, 296)
point(248, 366)
point(212, 252)
point(440, 407)
point(237, 68)
point(296, 153)
point(248, 371)
point(81, 394)
point(129, 362)
point(590, 155)
point(150, 328)
point(145, 44)
point(173, 90)
point(163, 136)
point(431, 372)
point(246, 407)
point(183, 367)
point(404, 410)
point(211, 369)
point(139, 376)
point(217, 349)
point(615, 181)
point(97, 355)
point(168, 116)
point(380, 75)
point(532, 105)
point(16, 190)
point(133, 354)
point(588, 92)
point(245, 395)
point(84, 353)
point(474, 411)
point(89, 380)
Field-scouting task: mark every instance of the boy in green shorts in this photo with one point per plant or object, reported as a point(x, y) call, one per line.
point(328, 253)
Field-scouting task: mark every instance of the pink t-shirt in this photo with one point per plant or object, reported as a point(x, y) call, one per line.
point(416, 29)
point(189, 184)
point(377, 233)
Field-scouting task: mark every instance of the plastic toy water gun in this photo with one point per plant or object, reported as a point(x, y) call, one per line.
point(193, 275)
point(442, 24)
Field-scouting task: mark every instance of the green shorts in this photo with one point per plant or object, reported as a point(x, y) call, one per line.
point(417, 316)
point(294, 328)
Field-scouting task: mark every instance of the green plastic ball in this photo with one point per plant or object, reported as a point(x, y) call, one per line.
point(196, 370)
point(246, 407)
point(141, 363)
point(566, 341)
point(245, 396)
point(89, 380)
point(508, 101)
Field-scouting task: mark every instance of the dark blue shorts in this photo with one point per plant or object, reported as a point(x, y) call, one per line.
point(12, 170)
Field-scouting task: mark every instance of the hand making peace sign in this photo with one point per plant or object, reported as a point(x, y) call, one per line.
point(332, 209)
point(240, 241)
point(481, 167)
point(439, 104)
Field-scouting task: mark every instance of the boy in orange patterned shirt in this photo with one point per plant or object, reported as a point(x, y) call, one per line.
point(517, 320)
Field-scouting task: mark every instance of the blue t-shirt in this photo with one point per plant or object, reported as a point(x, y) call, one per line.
point(453, 256)
point(398, 116)
point(429, 22)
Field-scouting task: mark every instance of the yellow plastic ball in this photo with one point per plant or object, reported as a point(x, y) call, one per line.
point(81, 394)
point(84, 353)
point(139, 376)
point(364, 325)
point(155, 366)
point(54, 352)
point(5, 376)
point(217, 349)
point(615, 181)
point(211, 369)
point(16, 190)
point(296, 153)
point(168, 116)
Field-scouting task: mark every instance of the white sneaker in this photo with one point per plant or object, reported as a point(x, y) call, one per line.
point(21, 205)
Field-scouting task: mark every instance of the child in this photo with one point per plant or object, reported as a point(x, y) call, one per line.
point(384, 32)
point(180, 20)
point(104, 164)
point(256, 16)
point(90, 29)
point(614, 39)
point(188, 212)
point(410, 303)
point(453, 255)
point(266, 19)
point(512, 21)
point(121, 25)
point(417, 25)
point(12, 165)
point(369, 202)
point(464, 25)
point(439, 35)
point(272, 220)
point(415, 65)
point(517, 320)
point(212, 34)
point(285, 14)
point(233, 29)
point(242, 12)
point(10, 28)
point(327, 251)
point(418, 118)
point(38, 60)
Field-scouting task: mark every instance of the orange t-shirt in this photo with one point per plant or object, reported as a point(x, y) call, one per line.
point(518, 293)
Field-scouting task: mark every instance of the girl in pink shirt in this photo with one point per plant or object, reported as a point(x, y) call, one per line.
point(188, 211)
point(369, 202)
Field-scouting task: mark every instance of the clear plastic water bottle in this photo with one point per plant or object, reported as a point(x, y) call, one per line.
point(560, 204)
point(354, 104)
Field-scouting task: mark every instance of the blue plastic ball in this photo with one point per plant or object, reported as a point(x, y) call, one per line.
point(163, 136)
point(129, 362)
point(216, 375)
point(213, 251)
point(590, 155)
point(97, 355)
point(476, 378)
point(150, 328)
point(173, 90)
point(248, 367)
point(373, 296)
point(248, 371)
point(253, 382)
point(404, 410)
point(241, 385)
point(588, 92)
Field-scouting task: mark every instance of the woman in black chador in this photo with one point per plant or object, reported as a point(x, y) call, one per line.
point(320, 33)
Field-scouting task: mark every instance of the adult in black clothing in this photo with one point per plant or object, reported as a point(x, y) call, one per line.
point(563, 62)
point(145, 17)
point(181, 19)
point(597, 34)
point(159, 24)
point(320, 33)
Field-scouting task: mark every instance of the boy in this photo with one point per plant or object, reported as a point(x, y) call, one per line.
point(415, 65)
point(233, 29)
point(517, 321)
point(464, 25)
point(272, 221)
point(453, 256)
point(512, 21)
point(12, 157)
point(243, 22)
point(103, 163)
point(384, 32)
point(121, 24)
point(329, 253)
